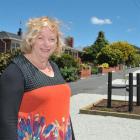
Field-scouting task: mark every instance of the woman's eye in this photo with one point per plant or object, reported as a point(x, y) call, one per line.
point(52, 39)
point(40, 37)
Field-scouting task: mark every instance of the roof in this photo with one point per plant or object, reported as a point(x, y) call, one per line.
point(8, 35)
point(74, 49)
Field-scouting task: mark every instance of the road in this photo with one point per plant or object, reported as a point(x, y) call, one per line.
point(97, 84)
point(96, 127)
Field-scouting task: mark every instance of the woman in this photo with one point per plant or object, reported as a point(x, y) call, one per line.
point(34, 98)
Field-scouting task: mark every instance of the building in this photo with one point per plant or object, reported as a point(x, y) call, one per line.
point(10, 41)
point(69, 47)
point(72, 51)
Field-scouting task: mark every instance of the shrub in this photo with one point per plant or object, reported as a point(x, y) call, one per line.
point(65, 60)
point(105, 65)
point(5, 59)
point(69, 73)
point(69, 67)
point(94, 70)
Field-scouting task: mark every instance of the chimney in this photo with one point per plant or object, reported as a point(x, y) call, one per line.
point(19, 33)
point(69, 41)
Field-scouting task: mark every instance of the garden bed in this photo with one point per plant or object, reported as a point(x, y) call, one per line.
point(119, 109)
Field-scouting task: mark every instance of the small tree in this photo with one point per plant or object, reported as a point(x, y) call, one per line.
point(109, 55)
point(100, 42)
point(88, 55)
point(92, 51)
point(127, 50)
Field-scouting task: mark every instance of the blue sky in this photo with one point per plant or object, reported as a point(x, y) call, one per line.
point(82, 19)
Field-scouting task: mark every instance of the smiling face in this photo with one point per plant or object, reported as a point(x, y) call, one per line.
point(45, 43)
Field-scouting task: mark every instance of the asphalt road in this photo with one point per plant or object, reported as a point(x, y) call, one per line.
point(97, 84)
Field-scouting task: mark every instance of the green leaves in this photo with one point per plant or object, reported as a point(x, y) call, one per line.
point(92, 51)
point(69, 67)
point(110, 56)
point(117, 53)
point(69, 73)
point(5, 59)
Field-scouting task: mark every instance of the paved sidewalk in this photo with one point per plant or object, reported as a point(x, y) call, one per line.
point(95, 127)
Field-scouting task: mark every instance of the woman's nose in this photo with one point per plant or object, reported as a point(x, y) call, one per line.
point(47, 43)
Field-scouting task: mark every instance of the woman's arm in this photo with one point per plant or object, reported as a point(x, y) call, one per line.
point(11, 93)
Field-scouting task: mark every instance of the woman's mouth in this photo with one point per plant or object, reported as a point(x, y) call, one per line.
point(45, 50)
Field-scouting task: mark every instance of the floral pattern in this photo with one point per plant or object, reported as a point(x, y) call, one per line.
point(34, 128)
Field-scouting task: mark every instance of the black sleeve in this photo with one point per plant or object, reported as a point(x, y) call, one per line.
point(11, 93)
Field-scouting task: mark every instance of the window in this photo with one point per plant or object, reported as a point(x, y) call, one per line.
point(13, 45)
point(17, 45)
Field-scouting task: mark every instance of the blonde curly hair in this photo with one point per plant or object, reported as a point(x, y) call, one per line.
point(34, 26)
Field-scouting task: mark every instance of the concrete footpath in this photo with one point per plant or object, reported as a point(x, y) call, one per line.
point(95, 127)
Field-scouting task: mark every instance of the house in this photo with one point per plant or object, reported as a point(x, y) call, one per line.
point(69, 48)
point(10, 41)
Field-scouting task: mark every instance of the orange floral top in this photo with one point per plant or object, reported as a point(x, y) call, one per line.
point(44, 114)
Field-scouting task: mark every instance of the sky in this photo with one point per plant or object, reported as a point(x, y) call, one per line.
point(81, 19)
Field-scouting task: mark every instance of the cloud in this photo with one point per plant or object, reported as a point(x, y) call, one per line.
point(131, 29)
point(97, 21)
point(68, 25)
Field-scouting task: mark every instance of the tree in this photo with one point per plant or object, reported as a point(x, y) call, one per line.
point(100, 42)
point(88, 55)
point(127, 50)
point(92, 51)
point(110, 55)
point(136, 61)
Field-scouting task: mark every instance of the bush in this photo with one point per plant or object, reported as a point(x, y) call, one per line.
point(94, 70)
point(69, 67)
point(65, 60)
point(105, 65)
point(69, 74)
point(5, 59)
